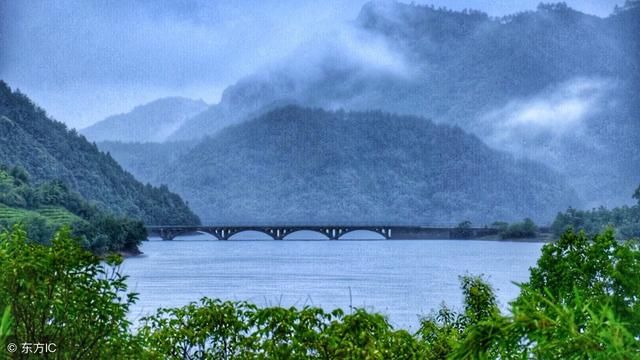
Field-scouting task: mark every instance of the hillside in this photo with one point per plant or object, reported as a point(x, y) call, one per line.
point(45, 208)
point(553, 85)
point(300, 165)
point(146, 160)
point(152, 122)
point(48, 151)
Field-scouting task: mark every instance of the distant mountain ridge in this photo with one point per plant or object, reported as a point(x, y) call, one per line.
point(49, 151)
point(308, 165)
point(152, 122)
point(469, 69)
point(481, 61)
point(552, 85)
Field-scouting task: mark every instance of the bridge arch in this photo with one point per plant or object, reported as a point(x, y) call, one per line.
point(197, 234)
point(173, 234)
point(306, 234)
point(252, 233)
point(367, 234)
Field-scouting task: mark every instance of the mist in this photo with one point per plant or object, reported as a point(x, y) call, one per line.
point(546, 118)
point(85, 60)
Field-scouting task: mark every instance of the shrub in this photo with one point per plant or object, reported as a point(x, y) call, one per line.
point(522, 230)
point(63, 294)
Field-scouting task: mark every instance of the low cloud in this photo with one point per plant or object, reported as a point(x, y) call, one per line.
point(542, 121)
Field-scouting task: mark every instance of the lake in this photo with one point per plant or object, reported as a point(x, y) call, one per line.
point(400, 278)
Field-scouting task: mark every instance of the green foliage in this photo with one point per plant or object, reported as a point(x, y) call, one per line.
point(626, 220)
point(63, 294)
point(581, 302)
point(238, 330)
point(48, 206)
point(599, 269)
point(521, 230)
point(49, 152)
point(6, 323)
point(339, 166)
point(443, 331)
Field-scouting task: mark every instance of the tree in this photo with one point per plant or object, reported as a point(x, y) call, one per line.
point(5, 327)
point(443, 332)
point(65, 295)
point(463, 230)
point(581, 300)
point(636, 194)
point(525, 229)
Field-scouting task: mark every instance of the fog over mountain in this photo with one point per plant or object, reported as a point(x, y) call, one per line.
point(152, 122)
point(313, 166)
point(48, 151)
point(84, 60)
point(551, 86)
point(554, 85)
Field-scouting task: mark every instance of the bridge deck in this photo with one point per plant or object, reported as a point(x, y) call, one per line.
point(333, 232)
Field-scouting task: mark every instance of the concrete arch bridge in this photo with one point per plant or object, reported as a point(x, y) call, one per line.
point(332, 232)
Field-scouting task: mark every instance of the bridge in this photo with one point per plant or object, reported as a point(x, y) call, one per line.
point(332, 232)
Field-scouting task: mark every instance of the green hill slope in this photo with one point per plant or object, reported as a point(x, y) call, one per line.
point(554, 85)
point(49, 151)
point(46, 207)
point(300, 165)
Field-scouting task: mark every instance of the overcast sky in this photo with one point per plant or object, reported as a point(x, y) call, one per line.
point(84, 60)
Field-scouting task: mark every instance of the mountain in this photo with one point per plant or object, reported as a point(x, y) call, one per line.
point(49, 151)
point(553, 85)
point(297, 164)
point(146, 160)
point(45, 208)
point(439, 63)
point(152, 122)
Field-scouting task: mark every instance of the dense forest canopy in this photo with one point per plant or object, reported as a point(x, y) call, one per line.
point(49, 151)
point(308, 165)
point(625, 219)
point(552, 85)
point(45, 208)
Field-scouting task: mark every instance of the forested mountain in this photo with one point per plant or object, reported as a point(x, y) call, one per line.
point(45, 208)
point(152, 122)
point(300, 165)
point(554, 85)
point(625, 220)
point(146, 160)
point(445, 65)
point(48, 151)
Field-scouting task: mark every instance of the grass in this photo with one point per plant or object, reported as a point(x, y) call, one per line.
point(53, 215)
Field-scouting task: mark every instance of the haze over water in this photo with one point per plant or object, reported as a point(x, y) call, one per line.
point(402, 279)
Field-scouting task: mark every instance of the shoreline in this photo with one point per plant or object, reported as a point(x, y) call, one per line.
point(544, 238)
point(130, 253)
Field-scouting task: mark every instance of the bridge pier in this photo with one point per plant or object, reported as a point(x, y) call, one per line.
point(332, 232)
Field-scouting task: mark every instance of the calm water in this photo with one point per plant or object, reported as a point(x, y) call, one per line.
point(402, 279)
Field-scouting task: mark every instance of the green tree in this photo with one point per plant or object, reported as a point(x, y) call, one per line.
point(5, 329)
point(581, 302)
point(63, 294)
point(211, 329)
point(625, 220)
point(443, 331)
point(525, 229)
point(463, 230)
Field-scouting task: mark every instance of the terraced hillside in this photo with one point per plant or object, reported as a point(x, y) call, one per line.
point(46, 207)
